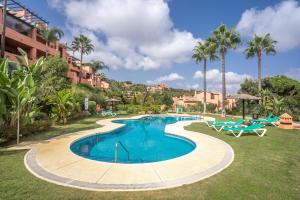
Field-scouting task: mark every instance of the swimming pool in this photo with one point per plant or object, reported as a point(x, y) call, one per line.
point(141, 140)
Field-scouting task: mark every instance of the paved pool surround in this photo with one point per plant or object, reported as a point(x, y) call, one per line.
point(53, 161)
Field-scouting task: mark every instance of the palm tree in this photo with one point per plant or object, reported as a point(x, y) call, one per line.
point(203, 52)
point(83, 45)
point(225, 39)
point(256, 47)
point(98, 65)
point(51, 35)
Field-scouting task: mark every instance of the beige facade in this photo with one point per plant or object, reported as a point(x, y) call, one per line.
point(211, 98)
point(158, 88)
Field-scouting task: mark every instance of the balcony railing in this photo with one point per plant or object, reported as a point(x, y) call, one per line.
point(28, 41)
point(13, 57)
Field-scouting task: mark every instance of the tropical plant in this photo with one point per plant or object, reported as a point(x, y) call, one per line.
point(202, 52)
point(275, 105)
point(256, 47)
point(16, 93)
point(225, 39)
point(50, 35)
point(62, 105)
point(83, 45)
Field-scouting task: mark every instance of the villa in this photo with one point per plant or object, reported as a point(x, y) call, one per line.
point(22, 31)
point(211, 98)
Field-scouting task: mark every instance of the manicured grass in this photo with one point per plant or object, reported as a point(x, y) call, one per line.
point(264, 168)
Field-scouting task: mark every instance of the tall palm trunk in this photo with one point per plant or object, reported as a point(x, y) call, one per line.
point(204, 86)
point(100, 82)
point(46, 49)
point(80, 74)
point(259, 70)
point(3, 28)
point(223, 82)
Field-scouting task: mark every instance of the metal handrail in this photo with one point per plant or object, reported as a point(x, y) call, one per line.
point(116, 150)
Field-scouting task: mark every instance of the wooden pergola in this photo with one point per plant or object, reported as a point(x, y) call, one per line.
point(113, 101)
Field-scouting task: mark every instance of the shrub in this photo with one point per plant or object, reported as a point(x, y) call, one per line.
point(211, 108)
point(92, 107)
point(153, 109)
point(134, 109)
point(37, 126)
point(79, 115)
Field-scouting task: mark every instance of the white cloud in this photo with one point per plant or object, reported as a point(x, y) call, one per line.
point(282, 21)
point(131, 34)
point(167, 78)
point(214, 80)
point(193, 86)
point(198, 74)
point(294, 73)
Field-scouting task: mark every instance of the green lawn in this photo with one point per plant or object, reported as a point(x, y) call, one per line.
point(264, 168)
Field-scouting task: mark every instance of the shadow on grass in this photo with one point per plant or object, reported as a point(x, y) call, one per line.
point(4, 152)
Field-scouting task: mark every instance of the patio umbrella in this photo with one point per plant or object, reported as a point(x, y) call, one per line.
point(244, 97)
point(112, 100)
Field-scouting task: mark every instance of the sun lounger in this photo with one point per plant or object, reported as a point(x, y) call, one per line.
point(256, 128)
point(211, 122)
point(271, 121)
point(108, 113)
point(220, 126)
point(269, 116)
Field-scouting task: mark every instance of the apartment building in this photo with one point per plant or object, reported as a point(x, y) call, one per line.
point(158, 88)
point(22, 30)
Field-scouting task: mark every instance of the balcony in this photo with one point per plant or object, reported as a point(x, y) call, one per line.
point(28, 41)
point(10, 56)
point(13, 57)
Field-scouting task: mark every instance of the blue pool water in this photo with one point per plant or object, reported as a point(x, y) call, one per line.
point(139, 141)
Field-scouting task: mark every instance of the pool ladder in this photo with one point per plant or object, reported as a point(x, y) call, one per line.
point(117, 144)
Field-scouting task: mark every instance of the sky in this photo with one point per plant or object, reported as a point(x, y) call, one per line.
point(151, 41)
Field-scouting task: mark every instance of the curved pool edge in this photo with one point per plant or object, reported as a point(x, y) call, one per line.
point(123, 122)
point(164, 179)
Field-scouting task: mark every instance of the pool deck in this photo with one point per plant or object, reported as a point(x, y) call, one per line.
point(53, 161)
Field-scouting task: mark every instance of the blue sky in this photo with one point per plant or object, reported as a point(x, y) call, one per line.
point(151, 41)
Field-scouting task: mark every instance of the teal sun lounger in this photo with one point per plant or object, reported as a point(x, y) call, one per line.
point(220, 126)
point(209, 123)
point(256, 128)
point(271, 121)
